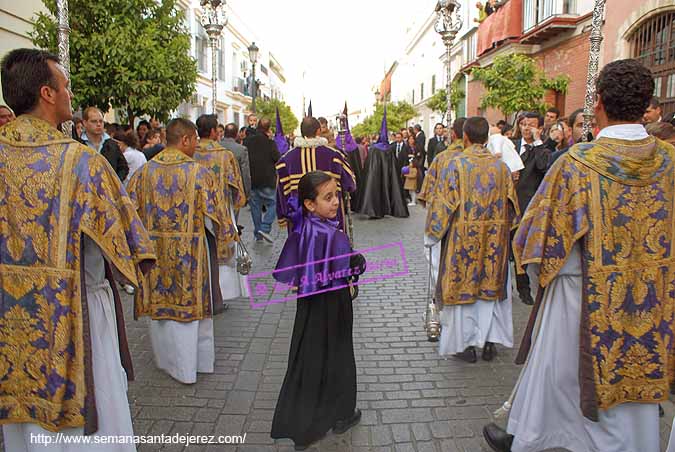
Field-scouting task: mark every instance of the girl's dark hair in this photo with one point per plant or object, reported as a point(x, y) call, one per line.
point(308, 187)
point(129, 138)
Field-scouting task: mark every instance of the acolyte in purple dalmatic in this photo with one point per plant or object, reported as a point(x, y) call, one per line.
point(311, 154)
point(316, 255)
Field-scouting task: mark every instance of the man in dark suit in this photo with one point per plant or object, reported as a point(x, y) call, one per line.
point(420, 139)
point(436, 143)
point(401, 150)
point(535, 156)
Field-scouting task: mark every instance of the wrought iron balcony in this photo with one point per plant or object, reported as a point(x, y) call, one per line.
point(543, 19)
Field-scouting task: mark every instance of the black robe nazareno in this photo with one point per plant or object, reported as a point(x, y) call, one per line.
point(354, 160)
point(382, 192)
point(320, 384)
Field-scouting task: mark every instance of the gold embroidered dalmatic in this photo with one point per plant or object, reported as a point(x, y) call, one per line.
point(473, 209)
point(219, 160)
point(232, 171)
point(618, 199)
point(439, 162)
point(174, 195)
point(54, 190)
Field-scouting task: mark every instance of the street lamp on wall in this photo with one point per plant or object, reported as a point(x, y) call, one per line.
point(253, 57)
point(448, 26)
point(213, 19)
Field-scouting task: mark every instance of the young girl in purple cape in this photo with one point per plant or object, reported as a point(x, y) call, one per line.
point(319, 390)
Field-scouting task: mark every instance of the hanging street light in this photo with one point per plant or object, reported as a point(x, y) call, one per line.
point(213, 19)
point(448, 26)
point(253, 57)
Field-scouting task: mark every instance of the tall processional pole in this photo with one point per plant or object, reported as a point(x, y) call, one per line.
point(593, 65)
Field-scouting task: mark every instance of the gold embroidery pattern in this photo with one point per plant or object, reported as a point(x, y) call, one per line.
point(472, 210)
point(53, 190)
point(174, 195)
point(214, 157)
point(603, 193)
point(439, 162)
point(229, 167)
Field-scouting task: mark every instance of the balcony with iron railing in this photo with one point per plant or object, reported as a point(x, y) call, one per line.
point(544, 19)
point(527, 22)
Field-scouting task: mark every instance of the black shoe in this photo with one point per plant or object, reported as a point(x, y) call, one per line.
point(309, 444)
point(342, 426)
point(489, 351)
point(526, 298)
point(497, 438)
point(468, 355)
point(661, 412)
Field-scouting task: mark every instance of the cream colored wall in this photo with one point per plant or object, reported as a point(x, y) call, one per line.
point(15, 24)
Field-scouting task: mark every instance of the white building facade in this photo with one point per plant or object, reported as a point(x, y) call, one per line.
point(421, 69)
point(234, 81)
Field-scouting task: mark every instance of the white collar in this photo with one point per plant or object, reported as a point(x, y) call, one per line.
point(630, 132)
point(302, 142)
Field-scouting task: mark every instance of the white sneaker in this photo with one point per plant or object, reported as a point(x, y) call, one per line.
point(268, 238)
point(411, 204)
point(129, 289)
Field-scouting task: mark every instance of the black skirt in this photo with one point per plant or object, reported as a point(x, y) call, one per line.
point(320, 384)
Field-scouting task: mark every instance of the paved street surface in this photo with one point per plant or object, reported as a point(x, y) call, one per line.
point(411, 400)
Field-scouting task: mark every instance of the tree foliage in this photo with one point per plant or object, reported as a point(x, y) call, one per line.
point(398, 114)
point(515, 83)
point(267, 109)
point(439, 103)
point(129, 54)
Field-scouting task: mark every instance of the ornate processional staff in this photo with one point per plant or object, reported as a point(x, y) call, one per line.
point(342, 131)
point(63, 43)
point(593, 64)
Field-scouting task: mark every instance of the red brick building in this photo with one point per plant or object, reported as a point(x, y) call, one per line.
point(556, 34)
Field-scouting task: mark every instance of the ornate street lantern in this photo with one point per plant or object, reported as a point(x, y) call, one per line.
point(213, 19)
point(448, 26)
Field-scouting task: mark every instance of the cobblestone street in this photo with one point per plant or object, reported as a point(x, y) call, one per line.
point(411, 400)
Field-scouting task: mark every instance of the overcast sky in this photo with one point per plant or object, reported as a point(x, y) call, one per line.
point(343, 46)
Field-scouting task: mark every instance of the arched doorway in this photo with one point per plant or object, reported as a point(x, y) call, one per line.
point(653, 44)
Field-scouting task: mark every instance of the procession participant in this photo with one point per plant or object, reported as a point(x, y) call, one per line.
point(442, 158)
point(472, 211)
point(181, 205)
point(382, 191)
point(310, 153)
point(65, 226)
point(319, 390)
point(228, 179)
point(353, 157)
point(600, 230)
point(429, 184)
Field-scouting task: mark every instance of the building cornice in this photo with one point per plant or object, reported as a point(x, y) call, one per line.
point(420, 33)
